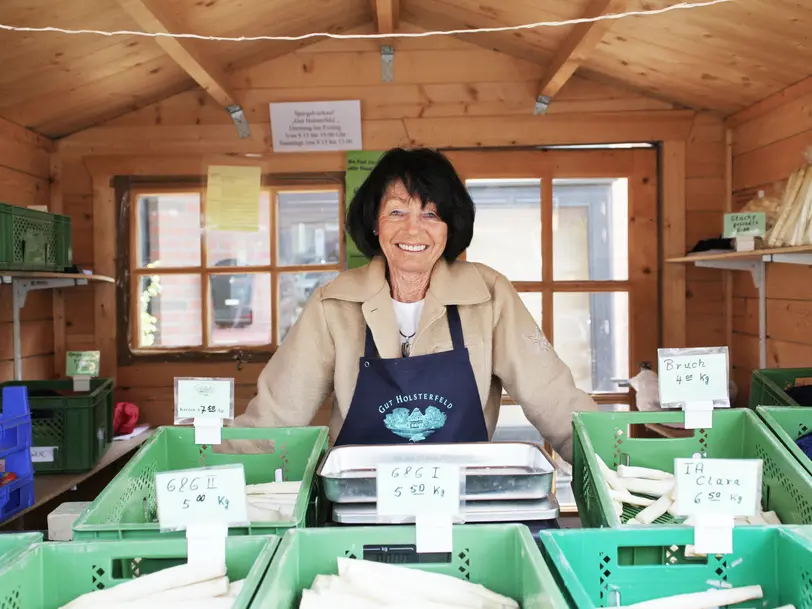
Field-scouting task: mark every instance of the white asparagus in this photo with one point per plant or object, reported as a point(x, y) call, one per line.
point(655, 510)
point(655, 488)
point(702, 600)
point(362, 571)
point(160, 581)
point(610, 475)
point(273, 488)
point(618, 507)
point(334, 600)
point(647, 473)
point(756, 519)
point(234, 588)
point(627, 497)
point(771, 517)
point(207, 589)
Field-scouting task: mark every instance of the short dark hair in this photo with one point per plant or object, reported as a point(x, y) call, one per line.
point(429, 177)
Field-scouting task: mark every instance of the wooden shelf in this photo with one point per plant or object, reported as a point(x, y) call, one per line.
point(47, 275)
point(754, 255)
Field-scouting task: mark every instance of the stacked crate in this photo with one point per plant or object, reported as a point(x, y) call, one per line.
point(16, 494)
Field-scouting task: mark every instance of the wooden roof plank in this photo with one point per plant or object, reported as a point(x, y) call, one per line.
point(582, 40)
point(151, 15)
point(386, 15)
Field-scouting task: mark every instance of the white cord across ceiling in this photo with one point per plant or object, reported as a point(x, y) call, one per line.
point(507, 28)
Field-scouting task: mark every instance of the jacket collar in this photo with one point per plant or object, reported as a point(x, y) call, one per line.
point(457, 283)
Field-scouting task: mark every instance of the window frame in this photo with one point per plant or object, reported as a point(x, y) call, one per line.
point(640, 166)
point(128, 189)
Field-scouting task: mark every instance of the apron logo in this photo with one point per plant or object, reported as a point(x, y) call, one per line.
point(415, 426)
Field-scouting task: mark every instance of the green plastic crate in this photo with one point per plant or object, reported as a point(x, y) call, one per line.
point(126, 508)
point(503, 558)
point(737, 433)
point(33, 240)
point(768, 387)
point(78, 425)
point(10, 543)
point(610, 567)
point(789, 424)
point(49, 575)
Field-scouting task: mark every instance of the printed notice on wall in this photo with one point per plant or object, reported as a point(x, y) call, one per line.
point(232, 198)
point(316, 126)
point(359, 164)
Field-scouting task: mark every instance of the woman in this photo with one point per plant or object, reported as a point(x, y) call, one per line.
point(437, 338)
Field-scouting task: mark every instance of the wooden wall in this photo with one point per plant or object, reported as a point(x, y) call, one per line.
point(769, 142)
point(446, 93)
point(25, 166)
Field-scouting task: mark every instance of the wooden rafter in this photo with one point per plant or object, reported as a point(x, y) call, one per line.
point(386, 15)
point(152, 16)
point(573, 51)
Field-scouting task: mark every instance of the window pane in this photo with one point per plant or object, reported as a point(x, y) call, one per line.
point(294, 291)
point(590, 230)
point(170, 311)
point(591, 335)
point(507, 231)
point(240, 248)
point(168, 230)
point(240, 309)
point(532, 300)
point(308, 228)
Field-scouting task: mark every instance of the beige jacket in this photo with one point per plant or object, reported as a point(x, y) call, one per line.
point(321, 352)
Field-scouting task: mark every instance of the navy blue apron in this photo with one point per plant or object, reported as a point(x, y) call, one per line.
point(426, 398)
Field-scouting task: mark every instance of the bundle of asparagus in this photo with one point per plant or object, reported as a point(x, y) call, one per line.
point(794, 224)
point(711, 599)
point(271, 501)
point(186, 586)
point(362, 584)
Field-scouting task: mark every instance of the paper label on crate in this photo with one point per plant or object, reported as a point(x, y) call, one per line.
point(413, 489)
point(82, 363)
point(206, 495)
point(42, 454)
point(204, 398)
point(718, 487)
point(693, 375)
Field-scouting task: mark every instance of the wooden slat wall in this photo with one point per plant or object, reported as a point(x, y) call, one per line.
point(767, 148)
point(446, 92)
point(25, 167)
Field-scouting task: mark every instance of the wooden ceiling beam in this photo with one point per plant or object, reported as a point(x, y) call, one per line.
point(573, 51)
point(152, 16)
point(386, 14)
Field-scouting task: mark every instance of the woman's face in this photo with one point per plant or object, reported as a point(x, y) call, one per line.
point(412, 237)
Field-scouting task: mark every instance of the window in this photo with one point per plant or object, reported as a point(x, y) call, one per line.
point(560, 226)
point(222, 290)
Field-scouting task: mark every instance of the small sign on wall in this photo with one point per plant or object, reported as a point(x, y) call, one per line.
point(316, 126)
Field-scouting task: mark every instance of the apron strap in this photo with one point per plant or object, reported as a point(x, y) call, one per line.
point(454, 326)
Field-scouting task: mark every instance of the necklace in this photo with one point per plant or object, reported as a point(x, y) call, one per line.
point(406, 347)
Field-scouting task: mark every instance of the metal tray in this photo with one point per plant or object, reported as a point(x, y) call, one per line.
point(524, 510)
point(493, 470)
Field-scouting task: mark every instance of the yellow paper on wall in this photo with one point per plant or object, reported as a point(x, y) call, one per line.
point(232, 198)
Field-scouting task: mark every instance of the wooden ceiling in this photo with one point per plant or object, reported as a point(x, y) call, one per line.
point(721, 58)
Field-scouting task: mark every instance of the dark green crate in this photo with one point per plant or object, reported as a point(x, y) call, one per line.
point(127, 508)
point(33, 240)
point(79, 425)
point(601, 567)
point(768, 387)
point(737, 433)
point(788, 424)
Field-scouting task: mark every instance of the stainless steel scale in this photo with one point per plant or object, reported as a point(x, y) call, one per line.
point(504, 481)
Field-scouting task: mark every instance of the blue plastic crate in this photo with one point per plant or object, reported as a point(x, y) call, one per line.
point(15, 421)
point(16, 496)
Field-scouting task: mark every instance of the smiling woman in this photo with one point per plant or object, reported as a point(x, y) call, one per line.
point(432, 338)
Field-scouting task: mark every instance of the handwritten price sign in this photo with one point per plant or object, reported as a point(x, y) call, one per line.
point(692, 375)
point(709, 487)
point(412, 489)
point(203, 495)
point(203, 398)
